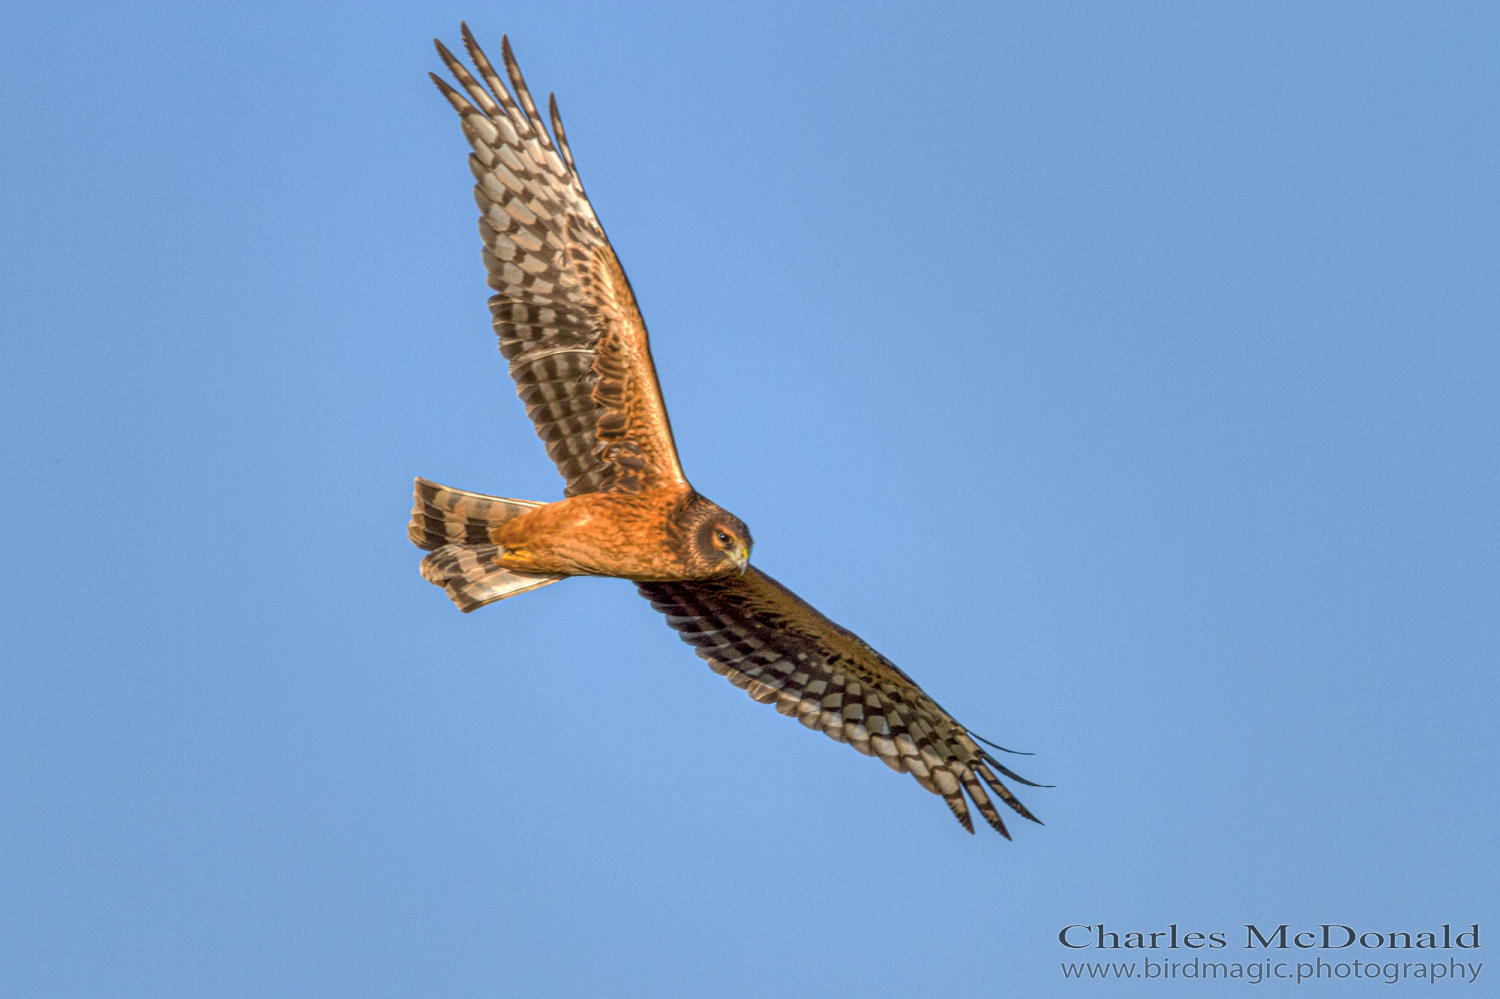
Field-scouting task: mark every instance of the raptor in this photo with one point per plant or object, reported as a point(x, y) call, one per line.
point(578, 352)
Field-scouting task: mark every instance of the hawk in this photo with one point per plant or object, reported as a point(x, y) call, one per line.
point(578, 352)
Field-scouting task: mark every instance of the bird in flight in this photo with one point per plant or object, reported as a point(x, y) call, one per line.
point(578, 352)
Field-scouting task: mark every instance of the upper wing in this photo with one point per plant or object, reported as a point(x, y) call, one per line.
point(565, 313)
point(776, 646)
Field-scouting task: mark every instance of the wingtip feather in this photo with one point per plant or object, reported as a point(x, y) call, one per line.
point(996, 745)
point(459, 102)
point(960, 809)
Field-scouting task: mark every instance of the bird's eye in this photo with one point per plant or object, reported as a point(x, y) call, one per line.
point(723, 538)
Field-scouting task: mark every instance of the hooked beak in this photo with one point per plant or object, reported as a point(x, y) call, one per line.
point(741, 559)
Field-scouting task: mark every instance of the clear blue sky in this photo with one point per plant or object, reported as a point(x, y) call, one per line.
point(1126, 373)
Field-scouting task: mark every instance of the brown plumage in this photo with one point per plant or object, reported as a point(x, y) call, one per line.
point(581, 360)
point(656, 534)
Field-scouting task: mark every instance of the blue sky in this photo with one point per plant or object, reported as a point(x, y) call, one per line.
point(1124, 372)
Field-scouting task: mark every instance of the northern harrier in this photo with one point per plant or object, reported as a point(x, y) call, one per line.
point(576, 343)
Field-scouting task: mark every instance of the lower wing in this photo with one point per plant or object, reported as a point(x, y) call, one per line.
point(781, 651)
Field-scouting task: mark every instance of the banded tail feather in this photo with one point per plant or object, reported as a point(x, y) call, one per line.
point(443, 516)
point(454, 525)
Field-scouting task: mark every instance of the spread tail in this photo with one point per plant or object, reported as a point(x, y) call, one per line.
point(455, 526)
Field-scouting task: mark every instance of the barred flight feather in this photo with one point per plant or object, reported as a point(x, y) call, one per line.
point(563, 309)
point(443, 515)
point(776, 647)
point(454, 525)
point(471, 578)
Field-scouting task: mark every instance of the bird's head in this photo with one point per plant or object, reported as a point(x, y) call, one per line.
point(719, 542)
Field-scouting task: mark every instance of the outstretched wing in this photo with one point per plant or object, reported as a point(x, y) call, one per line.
point(564, 311)
point(776, 646)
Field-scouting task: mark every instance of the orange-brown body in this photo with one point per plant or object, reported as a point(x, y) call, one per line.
point(629, 535)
